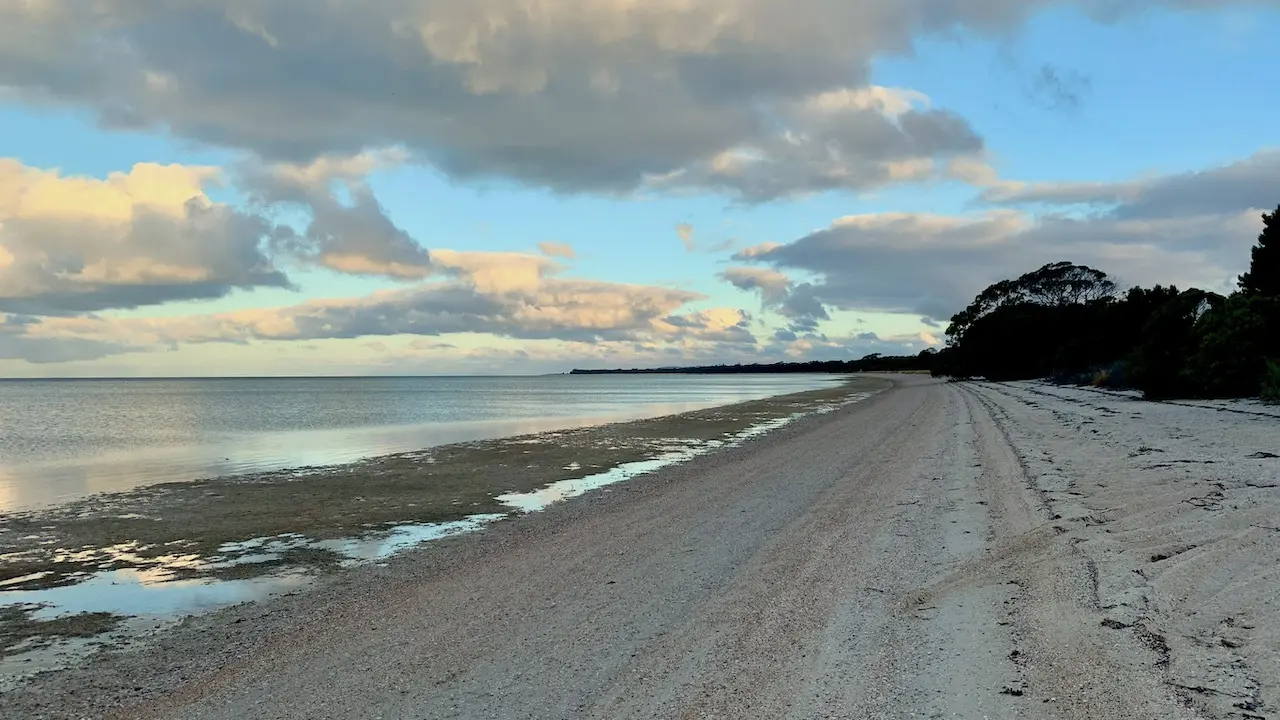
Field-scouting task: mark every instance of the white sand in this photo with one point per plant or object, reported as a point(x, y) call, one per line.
point(1178, 506)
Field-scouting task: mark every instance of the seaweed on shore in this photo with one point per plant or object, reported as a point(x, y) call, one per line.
point(20, 631)
point(193, 529)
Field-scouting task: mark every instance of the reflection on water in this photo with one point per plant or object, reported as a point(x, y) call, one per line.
point(566, 489)
point(153, 594)
point(149, 592)
point(372, 547)
point(153, 591)
point(65, 439)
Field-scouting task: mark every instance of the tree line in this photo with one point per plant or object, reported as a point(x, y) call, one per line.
point(870, 363)
point(1072, 323)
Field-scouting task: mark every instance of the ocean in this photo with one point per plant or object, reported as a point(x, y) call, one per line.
point(65, 439)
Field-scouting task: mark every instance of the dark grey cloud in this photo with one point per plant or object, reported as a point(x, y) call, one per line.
point(576, 97)
point(797, 302)
point(347, 228)
point(599, 96)
point(772, 285)
point(15, 344)
point(1248, 184)
point(1191, 229)
point(891, 263)
point(830, 147)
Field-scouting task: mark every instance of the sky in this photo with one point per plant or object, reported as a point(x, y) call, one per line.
point(428, 187)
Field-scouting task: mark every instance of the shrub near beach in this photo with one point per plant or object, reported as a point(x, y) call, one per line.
point(1071, 323)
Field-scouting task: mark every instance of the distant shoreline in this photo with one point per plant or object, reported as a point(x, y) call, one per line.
point(870, 363)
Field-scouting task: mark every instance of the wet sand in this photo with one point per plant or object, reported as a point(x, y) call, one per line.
point(131, 562)
point(200, 528)
point(938, 550)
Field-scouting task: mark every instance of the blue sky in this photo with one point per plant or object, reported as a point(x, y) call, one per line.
point(701, 182)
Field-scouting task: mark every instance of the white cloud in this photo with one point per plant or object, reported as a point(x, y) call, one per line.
point(560, 250)
point(500, 294)
point(495, 272)
point(150, 235)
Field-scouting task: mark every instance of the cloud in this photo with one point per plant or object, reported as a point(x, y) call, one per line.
point(17, 344)
point(853, 139)
point(1190, 229)
point(348, 230)
point(685, 233)
point(560, 250)
point(571, 95)
point(502, 294)
point(719, 325)
point(796, 302)
point(1243, 185)
point(772, 285)
point(79, 244)
point(496, 272)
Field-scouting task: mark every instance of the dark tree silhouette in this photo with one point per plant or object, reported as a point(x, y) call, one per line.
point(1054, 285)
point(1263, 277)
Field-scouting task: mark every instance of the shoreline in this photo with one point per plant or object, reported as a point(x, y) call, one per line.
point(48, 475)
point(226, 540)
point(972, 549)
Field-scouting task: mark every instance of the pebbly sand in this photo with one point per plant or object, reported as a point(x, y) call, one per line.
point(939, 550)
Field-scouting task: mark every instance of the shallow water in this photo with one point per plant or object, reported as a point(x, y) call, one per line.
point(150, 593)
point(154, 592)
point(151, 597)
point(64, 439)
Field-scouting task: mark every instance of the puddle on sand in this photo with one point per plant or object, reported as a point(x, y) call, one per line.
point(354, 551)
point(148, 599)
point(148, 592)
point(565, 489)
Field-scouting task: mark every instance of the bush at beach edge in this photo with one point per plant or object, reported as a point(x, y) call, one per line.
point(1271, 384)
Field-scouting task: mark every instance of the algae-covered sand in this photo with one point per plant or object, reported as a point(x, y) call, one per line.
point(199, 528)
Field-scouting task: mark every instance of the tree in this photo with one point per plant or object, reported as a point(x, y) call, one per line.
point(1056, 285)
point(1235, 340)
point(1160, 364)
point(1263, 277)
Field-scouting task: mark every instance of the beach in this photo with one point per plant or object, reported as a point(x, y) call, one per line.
point(935, 549)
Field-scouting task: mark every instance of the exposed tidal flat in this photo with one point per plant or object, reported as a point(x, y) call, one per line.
point(164, 550)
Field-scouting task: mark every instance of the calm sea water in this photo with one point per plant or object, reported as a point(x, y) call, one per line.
point(63, 439)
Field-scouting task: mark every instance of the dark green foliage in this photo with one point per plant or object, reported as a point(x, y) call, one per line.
point(1041, 324)
point(1055, 285)
point(1167, 341)
point(1271, 383)
point(1066, 323)
point(1235, 338)
point(1263, 277)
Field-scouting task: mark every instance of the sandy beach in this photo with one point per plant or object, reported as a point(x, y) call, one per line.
point(938, 550)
